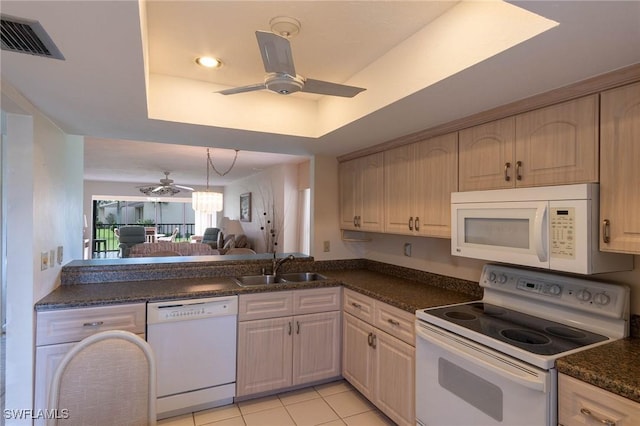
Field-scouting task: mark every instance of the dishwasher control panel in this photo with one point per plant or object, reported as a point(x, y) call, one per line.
point(191, 309)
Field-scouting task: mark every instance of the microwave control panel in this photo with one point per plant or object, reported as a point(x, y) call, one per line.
point(562, 236)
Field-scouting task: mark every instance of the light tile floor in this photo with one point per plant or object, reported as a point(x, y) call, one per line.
point(331, 404)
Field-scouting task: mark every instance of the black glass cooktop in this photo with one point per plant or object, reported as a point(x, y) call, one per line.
point(533, 334)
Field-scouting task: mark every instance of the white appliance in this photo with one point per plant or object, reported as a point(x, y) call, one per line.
point(194, 342)
point(553, 227)
point(492, 362)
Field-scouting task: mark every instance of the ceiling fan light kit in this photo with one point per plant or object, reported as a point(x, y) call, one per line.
point(166, 187)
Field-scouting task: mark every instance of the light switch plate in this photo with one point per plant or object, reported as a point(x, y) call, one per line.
point(44, 260)
point(52, 258)
point(407, 249)
point(60, 249)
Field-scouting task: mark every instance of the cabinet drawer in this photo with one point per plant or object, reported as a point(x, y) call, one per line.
point(316, 300)
point(265, 305)
point(580, 403)
point(396, 322)
point(73, 325)
point(358, 305)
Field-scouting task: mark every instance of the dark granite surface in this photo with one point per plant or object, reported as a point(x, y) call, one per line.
point(614, 367)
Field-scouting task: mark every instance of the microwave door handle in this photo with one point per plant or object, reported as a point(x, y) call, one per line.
point(541, 228)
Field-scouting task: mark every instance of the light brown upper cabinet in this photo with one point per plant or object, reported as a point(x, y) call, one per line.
point(419, 179)
point(555, 145)
point(361, 193)
point(620, 170)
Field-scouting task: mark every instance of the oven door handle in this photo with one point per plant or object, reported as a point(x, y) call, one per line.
point(484, 358)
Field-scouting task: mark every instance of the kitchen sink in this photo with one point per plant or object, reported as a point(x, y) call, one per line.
point(294, 277)
point(251, 280)
point(302, 276)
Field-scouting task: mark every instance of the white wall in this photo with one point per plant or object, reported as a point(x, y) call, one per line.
point(276, 186)
point(42, 170)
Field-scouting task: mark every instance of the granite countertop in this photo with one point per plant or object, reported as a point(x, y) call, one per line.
point(406, 294)
point(613, 367)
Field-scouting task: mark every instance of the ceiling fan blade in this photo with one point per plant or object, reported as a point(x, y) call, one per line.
point(250, 88)
point(276, 53)
point(333, 89)
point(188, 188)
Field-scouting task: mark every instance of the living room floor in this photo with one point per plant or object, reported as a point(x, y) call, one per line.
point(331, 404)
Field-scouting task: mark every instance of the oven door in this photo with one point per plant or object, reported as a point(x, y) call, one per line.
point(459, 382)
point(512, 232)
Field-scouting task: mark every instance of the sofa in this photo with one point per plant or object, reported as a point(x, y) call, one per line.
point(166, 248)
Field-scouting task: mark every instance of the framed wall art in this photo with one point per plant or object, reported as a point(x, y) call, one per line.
point(245, 207)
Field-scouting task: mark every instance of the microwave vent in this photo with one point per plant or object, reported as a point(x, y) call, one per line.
point(27, 36)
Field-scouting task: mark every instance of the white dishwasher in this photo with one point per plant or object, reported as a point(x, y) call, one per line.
point(194, 342)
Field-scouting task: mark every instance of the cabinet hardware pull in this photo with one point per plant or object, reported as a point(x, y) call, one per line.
point(359, 225)
point(370, 339)
point(356, 305)
point(507, 165)
point(297, 327)
point(588, 413)
point(393, 322)
point(606, 231)
point(417, 223)
point(289, 328)
point(411, 223)
point(518, 167)
point(355, 223)
point(374, 343)
point(93, 324)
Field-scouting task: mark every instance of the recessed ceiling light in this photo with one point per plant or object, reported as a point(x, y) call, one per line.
point(209, 62)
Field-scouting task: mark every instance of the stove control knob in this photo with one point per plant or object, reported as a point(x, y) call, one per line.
point(555, 290)
point(492, 277)
point(584, 295)
point(502, 279)
point(601, 299)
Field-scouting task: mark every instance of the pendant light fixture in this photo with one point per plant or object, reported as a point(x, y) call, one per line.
point(207, 201)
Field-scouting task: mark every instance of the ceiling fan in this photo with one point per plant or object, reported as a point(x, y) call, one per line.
point(281, 75)
point(166, 187)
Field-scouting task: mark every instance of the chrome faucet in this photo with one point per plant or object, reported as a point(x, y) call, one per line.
point(275, 265)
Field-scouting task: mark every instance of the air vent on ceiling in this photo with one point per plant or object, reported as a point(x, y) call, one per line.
point(27, 36)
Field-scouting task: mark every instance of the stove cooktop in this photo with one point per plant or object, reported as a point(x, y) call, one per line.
point(532, 334)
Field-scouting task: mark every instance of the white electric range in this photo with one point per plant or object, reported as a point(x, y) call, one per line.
point(492, 361)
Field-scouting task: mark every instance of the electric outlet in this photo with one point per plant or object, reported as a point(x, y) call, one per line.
point(327, 246)
point(407, 249)
point(60, 255)
point(44, 260)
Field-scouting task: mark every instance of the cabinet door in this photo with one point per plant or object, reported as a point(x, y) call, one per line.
point(575, 396)
point(395, 375)
point(487, 156)
point(357, 356)
point(372, 190)
point(558, 144)
point(264, 355)
point(47, 360)
point(399, 190)
point(316, 347)
point(436, 177)
point(348, 183)
point(620, 171)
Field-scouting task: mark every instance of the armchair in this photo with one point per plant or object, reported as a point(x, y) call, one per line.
point(210, 237)
point(129, 237)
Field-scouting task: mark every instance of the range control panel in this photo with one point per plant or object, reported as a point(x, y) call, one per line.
point(604, 298)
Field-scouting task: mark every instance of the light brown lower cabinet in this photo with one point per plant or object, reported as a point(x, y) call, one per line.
point(286, 351)
point(580, 403)
point(378, 364)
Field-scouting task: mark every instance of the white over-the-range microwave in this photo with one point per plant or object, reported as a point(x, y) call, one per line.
point(553, 227)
